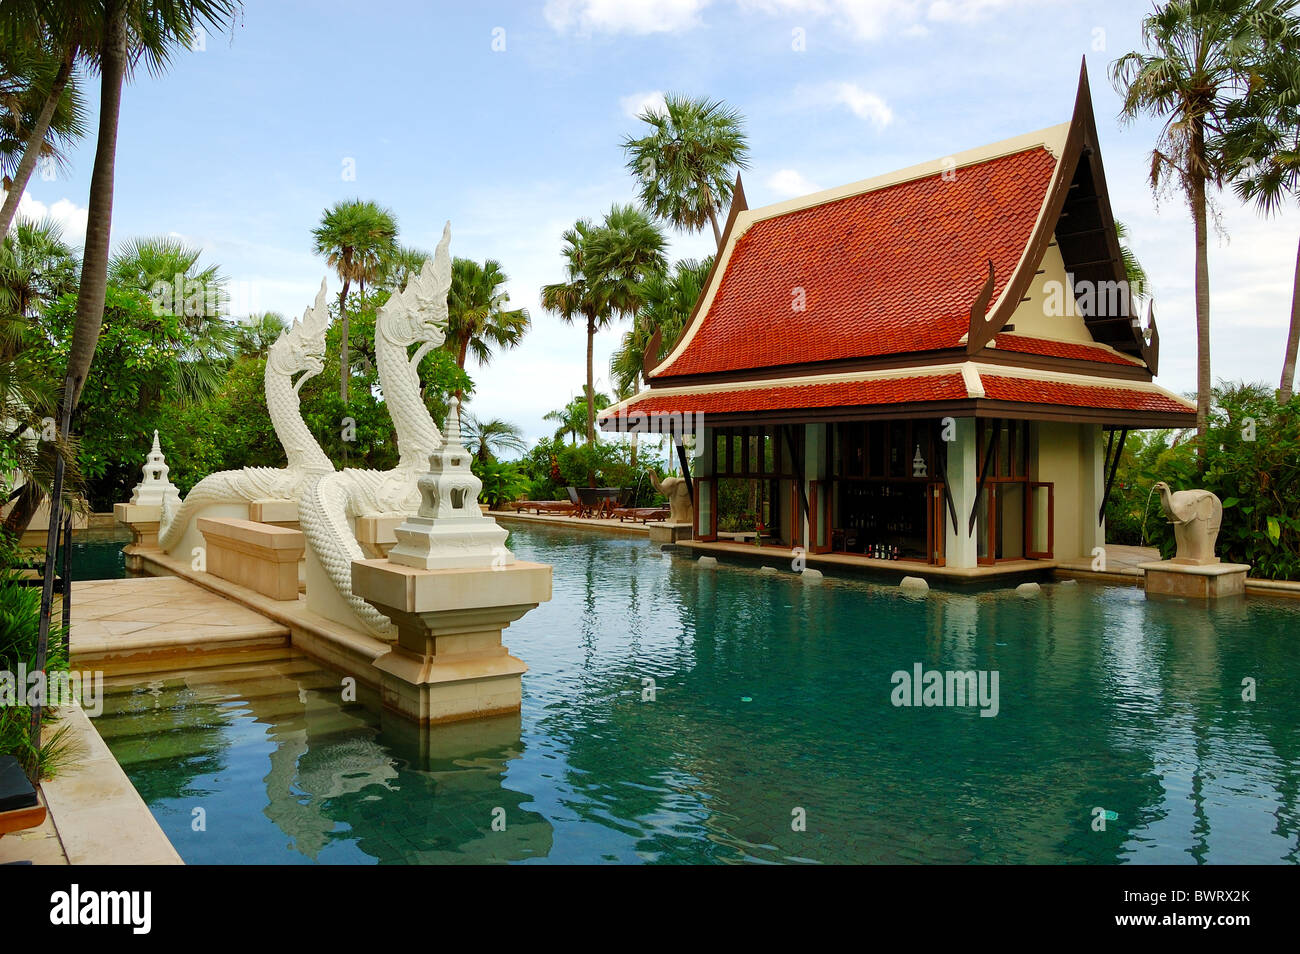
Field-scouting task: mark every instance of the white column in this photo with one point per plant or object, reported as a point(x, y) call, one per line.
point(963, 480)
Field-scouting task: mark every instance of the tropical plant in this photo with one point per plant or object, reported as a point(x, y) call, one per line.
point(502, 482)
point(572, 418)
point(255, 334)
point(36, 267)
point(1135, 275)
point(168, 271)
point(604, 267)
point(686, 164)
point(1252, 465)
point(667, 300)
point(486, 439)
point(1262, 144)
point(41, 112)
point(1199, 57)
point(401, 265)
point(356, 239)
point(477, 317)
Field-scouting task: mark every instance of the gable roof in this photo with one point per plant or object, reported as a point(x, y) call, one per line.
point(932, 258)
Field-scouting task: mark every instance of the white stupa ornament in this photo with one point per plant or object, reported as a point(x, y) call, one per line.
point(450, 531)
point(154, 488)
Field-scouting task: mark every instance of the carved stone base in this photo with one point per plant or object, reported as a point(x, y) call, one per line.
point(671, 532)
point(142, 520)
point(448, 663)
point(1194, 581)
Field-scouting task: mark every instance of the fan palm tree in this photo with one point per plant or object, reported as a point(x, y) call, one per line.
point(1199, 55)
point(356, 239)
point(401, 265)
point(687, 162)
point(477, 317)
point(1263, 148)
point(168, 271)
point(486, 439)
point(36, 267)
point(258, 332)
point(40, 44)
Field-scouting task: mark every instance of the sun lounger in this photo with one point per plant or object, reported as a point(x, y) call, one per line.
point(544, 506)
point(644, 514)
point(20, 808)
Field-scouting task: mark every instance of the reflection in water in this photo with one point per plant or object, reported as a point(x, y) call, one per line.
point(769, 697)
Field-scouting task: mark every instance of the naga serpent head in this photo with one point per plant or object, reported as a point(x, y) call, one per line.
point(419, 311)
point(301, 348)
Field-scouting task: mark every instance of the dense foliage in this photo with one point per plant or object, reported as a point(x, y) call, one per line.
point(1252, 464)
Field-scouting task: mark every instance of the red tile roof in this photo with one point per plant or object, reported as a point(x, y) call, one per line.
point(899, 390)
point(933, 387)
point(1057, 349)
point(1116, 397)
point(883, 272)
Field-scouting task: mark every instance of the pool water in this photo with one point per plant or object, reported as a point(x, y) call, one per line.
point(768, 733)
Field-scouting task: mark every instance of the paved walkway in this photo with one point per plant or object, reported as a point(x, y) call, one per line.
point(119, 616)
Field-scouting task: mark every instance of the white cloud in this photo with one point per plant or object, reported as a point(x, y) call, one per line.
point(635, 104)
point(862, 103)
point(65, 212)
point(623, 16)
point(790, 183)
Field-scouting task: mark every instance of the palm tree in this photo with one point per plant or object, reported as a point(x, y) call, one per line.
point(486, 439)
point(579, 297)
point(1199, 56)
point(477, 319)
point(257, 332)
point(168, 271)
point(667, 300)
point(1263, 148)
point(604, 268)
point(355, 237)
point(686, 164)
point(401, 265)
point(36, 267)
point(132, 31)
point(572, 418)
point(1135, 275)
point(40, 44)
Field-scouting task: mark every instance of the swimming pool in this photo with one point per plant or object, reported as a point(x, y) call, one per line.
point(677, 714)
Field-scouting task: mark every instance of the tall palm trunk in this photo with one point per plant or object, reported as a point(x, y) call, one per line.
point(90, 295)
point(1197, 161)
point(343, 346)
point(461, 354)
point(713, 219)
point(1292, 339)
point(591, 381)
point(35, 140)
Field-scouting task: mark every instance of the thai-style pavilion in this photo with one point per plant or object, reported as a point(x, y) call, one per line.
point(936, 365)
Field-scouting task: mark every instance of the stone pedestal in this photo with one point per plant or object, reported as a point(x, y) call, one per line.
point(1194, 580)
point(259, 556)
point(448, 663)
point(142, 520)
point(377, 533)
point(671, 532)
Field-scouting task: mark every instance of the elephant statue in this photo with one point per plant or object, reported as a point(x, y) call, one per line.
point(680, 505)
point(1197, 516)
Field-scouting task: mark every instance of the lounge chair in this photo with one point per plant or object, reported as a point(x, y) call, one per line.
point(20, 807)
point(544, 506)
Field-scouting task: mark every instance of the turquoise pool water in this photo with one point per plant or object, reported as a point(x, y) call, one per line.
point(772, 702)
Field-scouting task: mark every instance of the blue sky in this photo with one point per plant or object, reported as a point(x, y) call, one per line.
point(242, 144)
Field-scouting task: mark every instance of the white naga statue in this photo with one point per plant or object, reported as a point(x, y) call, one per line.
point(1197, 516)
point(330, 504)
point(300, 350)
